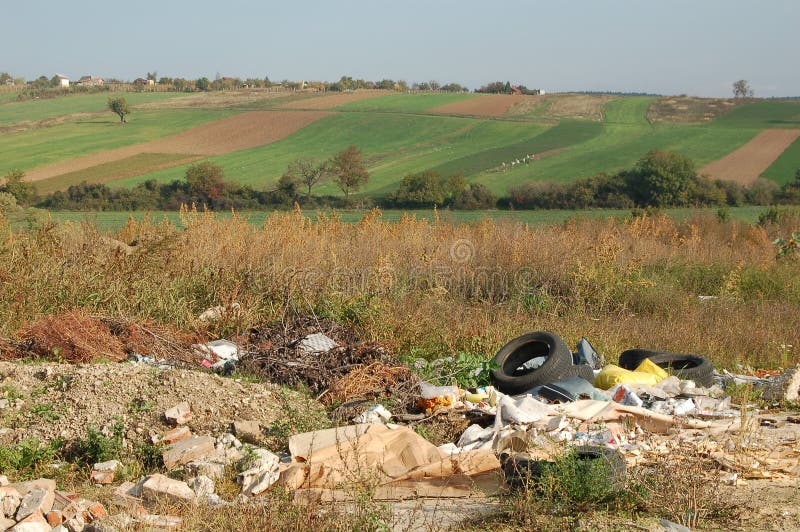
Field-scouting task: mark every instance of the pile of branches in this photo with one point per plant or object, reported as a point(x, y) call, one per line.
point(352, 370)
point(77, 337)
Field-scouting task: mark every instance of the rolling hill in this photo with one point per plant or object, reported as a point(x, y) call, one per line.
point(500, 141)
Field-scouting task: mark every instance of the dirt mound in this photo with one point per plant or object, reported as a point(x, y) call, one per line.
point(239, 132)
point(335, 99)
point(49, 401)
point(746, 164)
point(483, 105)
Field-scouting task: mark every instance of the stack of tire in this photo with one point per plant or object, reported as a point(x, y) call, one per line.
point(512, 376)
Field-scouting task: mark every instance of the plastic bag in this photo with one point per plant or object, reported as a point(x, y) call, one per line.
point(648, 366)
point(612, 375)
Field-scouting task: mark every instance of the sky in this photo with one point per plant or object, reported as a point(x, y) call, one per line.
point(695, 47)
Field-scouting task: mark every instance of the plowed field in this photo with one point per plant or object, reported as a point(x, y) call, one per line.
point(240, 132)
point(334, 100)
point(746, 164)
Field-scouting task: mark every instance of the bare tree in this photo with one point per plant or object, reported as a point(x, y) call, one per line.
point(741, 89)
point(306, 171)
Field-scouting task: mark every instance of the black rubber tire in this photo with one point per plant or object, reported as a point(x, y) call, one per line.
point(613, 458)
point(584, 371)
point(682, 365)
point(522, 472)
point(511, 379)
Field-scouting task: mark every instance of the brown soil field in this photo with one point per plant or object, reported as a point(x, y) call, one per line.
point(688, 110)
point(483, 105)
point(335, 99)
point(746, 164)
point(239, 132)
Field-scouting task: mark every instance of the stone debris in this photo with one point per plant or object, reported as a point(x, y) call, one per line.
point(34, 522)
point(263, 470)
point(158, 487)
point(9, 501)
point(172, 436)
point(202, 486)
point(103, 472)
point(37, 500)
point(212, 470)
point(179, 414)
point(248, 431)
point(187, 450)
point(161, 522)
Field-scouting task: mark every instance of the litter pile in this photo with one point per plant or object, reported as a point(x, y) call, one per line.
point(544, 397)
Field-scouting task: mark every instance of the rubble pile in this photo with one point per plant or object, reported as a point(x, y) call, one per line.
point(543, 398)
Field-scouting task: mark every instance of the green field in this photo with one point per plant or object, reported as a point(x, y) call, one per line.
point(112, 221)
point(32, 110)
point(397, 134)
point(785, 167)
point(38, 147)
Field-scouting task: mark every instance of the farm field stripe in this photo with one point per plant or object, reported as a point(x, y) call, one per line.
point(483, 105)
point(746, 164)
point(239, 132)
point(334, 100)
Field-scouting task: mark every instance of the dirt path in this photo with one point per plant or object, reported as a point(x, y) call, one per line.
point(746, 164)
point(246, 130)
point(334, 99)
point(483, 105)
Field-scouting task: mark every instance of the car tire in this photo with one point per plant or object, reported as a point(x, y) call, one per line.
point(512, 378)
point(684, 366)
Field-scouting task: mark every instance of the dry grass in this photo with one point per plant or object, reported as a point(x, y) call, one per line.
point(72, 336)
point(688, 110)
point(430, 289)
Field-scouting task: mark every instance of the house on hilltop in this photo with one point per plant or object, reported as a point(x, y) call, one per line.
point(90, 81)
point(63, 81)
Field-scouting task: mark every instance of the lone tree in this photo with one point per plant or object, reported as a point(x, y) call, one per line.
point(307, 172)
point(205, 182)
point(120, 107)
point(348, 170)
point(741, 89)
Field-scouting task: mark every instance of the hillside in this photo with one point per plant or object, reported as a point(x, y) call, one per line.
point(562, 137)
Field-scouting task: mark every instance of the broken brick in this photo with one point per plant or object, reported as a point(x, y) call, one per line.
point(179, 414)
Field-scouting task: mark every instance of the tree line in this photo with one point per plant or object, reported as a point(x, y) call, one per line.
point(659, 179)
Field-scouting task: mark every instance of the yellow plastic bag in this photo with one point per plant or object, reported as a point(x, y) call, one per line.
point(648, 366)
point(612, 375)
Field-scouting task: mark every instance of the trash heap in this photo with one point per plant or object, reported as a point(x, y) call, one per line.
point(543, 397)
point(651, 402)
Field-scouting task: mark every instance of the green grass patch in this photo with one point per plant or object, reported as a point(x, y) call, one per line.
point(762, 115)
point(67, 105)
point(785, 167)
point(565, 134)
point(112, 221)
point(105, 173)
point(39, 147)
point(405, 103)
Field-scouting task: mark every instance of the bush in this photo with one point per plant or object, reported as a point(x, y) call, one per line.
point(478, 196)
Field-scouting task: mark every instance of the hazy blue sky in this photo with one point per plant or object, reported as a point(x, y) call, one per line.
point(696, 47)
